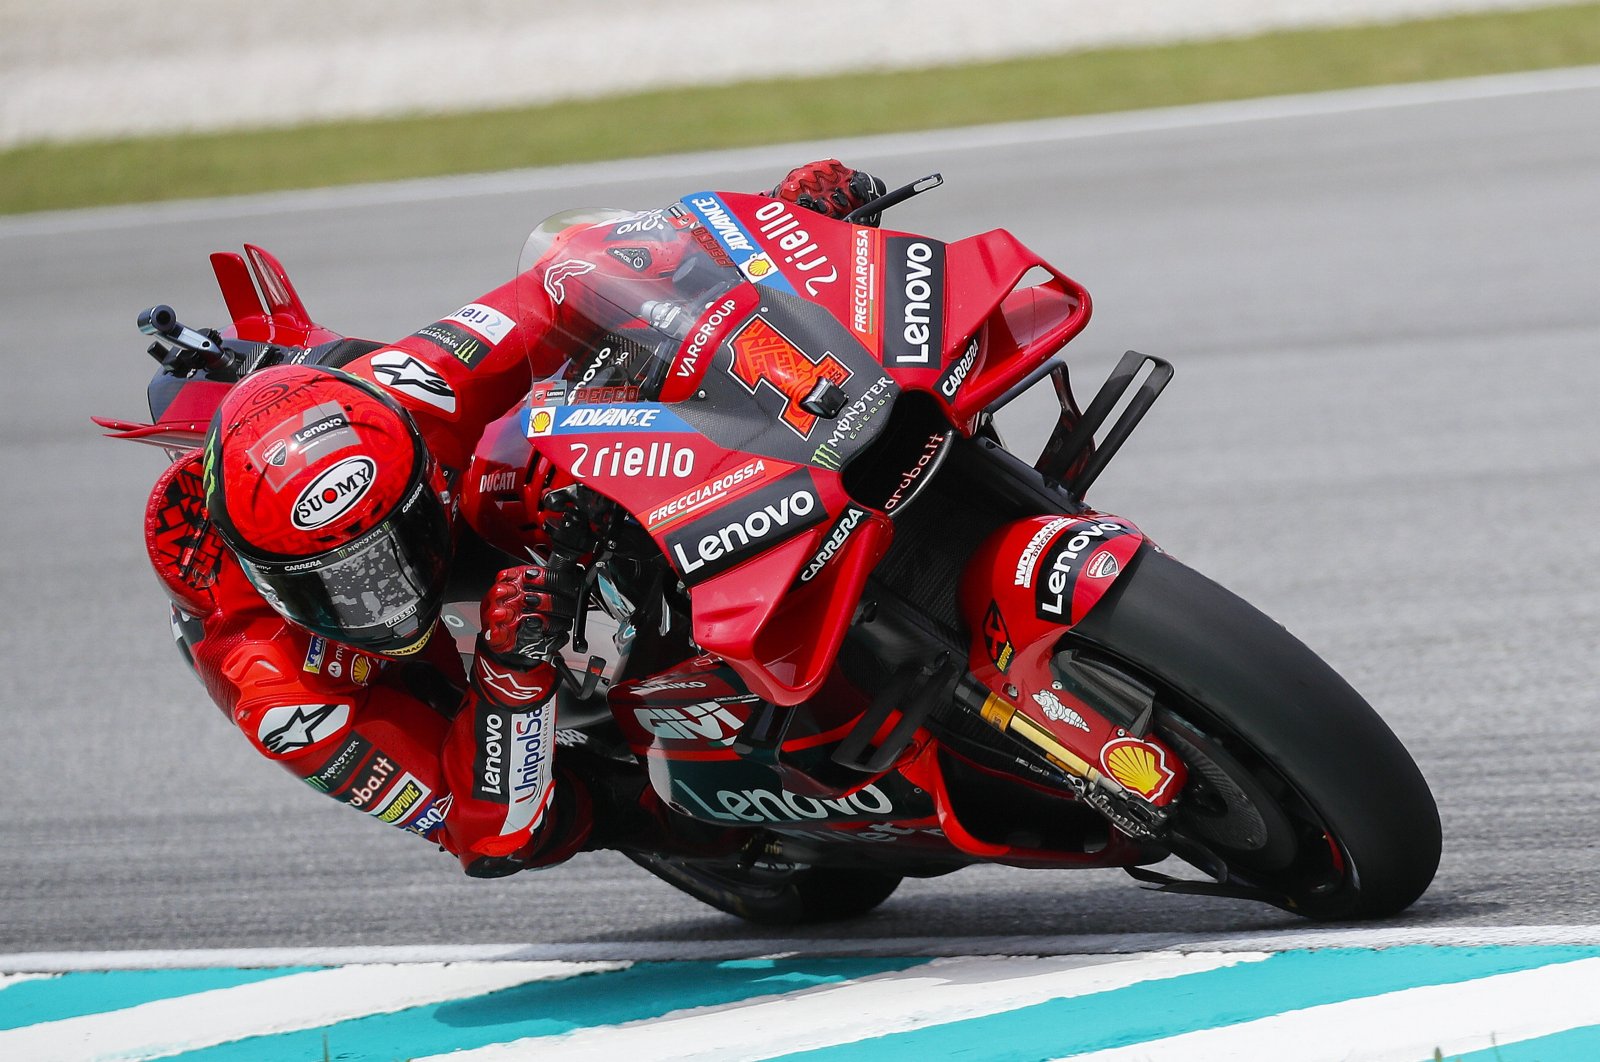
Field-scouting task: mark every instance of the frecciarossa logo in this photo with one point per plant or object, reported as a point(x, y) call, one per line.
point(744, 527)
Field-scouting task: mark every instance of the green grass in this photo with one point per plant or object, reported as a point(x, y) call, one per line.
point(48, 176)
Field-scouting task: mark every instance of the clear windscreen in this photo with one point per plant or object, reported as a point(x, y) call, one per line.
point(623, 289)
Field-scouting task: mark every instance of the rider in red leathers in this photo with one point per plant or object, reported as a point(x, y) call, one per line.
point(307, 554)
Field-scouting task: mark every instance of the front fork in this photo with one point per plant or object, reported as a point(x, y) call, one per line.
point(1028, 584)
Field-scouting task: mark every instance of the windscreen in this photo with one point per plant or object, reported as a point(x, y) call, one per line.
point(623, 289)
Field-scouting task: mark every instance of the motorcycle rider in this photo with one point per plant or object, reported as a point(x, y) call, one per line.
point(307, 554)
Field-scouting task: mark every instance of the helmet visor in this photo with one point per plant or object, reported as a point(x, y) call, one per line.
point(382, 592)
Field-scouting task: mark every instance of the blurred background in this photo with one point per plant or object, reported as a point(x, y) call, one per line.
point(1380, 302)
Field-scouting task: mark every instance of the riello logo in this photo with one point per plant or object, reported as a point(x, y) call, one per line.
point(333, 493)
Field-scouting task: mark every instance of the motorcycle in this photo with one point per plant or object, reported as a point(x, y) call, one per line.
point(841, 617)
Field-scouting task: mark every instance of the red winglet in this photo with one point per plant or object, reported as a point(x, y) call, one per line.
point(281, 298)
point(237, 290)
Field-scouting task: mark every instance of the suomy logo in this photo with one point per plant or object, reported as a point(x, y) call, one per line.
point(333, 493)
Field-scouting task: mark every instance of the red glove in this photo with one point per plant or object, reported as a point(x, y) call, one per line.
point(830, 187)
point(527, 615)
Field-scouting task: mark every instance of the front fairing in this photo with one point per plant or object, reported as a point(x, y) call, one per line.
point(683, 397)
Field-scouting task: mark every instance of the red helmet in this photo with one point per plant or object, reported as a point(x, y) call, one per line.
point(325, 491)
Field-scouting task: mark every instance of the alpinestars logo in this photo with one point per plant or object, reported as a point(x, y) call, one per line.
point(410, 376)
point(285, 729)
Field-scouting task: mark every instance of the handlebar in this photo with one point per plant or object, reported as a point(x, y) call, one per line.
point(160, 320)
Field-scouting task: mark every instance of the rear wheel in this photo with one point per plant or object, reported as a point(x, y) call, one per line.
point(1296, 785)
point(775, 894)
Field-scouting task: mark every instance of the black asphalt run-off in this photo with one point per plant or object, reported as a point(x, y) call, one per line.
point(1381, 432)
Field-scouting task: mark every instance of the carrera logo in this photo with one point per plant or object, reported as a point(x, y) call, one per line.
point(836, 538)
point(779, 226)
point(708, 721)
point(702, 336)
point(952, 380)
point(913, 303)
point(333, 493)
point(745, 526)
point(764, 355)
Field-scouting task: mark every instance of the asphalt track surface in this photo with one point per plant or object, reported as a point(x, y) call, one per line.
point(1382, 307)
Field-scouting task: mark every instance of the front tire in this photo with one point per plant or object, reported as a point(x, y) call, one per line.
point(1296, 784)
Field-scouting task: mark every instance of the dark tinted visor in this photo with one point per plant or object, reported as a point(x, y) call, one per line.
point(381, 592)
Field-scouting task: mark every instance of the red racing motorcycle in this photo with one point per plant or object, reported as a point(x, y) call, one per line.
point(840, 617)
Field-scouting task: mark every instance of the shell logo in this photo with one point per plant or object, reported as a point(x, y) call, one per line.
point(361, 670)
point(758, 267)
point(541, 421)
point(1138, 766)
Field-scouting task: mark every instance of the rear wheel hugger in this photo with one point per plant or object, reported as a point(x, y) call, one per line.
point(1252, 682)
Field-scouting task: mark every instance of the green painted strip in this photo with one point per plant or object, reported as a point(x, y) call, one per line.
point(73, 995)
point(1155, 1009)
point(54, 176)
point(546, 1008)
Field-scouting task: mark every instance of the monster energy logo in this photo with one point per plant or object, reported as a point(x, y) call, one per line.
point(827, 457)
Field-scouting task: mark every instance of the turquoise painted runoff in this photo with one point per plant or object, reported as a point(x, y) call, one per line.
point(1151, 1010)
point(73, 995)
point(545, 1008)
point(1573, 1045)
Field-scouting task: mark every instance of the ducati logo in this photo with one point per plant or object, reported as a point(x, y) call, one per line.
point(764, 355)
point(1102, 565)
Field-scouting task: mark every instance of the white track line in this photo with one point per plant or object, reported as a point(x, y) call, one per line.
point(284, 1004)
point(750, 948)
point(580, 177)
point(1398, 1026)
point(945, 990)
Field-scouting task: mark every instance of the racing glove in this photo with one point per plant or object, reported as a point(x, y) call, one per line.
point(830, 187)
point(499, 755)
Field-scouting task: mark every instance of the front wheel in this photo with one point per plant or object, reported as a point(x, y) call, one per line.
point(1296, 785)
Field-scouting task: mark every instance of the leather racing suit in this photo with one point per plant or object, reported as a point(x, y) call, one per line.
point(465, 761)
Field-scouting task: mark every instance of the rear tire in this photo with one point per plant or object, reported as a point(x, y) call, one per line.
point(775, 895)
point(1296, 783)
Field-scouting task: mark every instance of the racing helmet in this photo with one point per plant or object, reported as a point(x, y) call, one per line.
point(325, 491)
